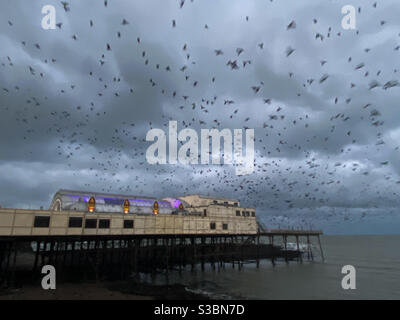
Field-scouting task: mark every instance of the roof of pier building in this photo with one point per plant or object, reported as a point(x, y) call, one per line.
point(197, 200)
point(75, 200)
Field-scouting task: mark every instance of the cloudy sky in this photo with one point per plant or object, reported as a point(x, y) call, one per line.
point(77, 102)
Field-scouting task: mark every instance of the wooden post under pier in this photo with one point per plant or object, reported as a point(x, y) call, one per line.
point(320, 248)
point(284, 236)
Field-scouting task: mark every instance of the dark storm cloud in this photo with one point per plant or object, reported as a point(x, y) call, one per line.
point(80, 121)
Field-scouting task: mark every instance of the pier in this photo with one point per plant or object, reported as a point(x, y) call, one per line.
point(297, 234)
point(119, 256)
point(93, 235)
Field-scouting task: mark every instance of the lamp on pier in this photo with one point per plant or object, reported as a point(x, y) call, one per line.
point(155, 207)
point(126, 206)
point(92, 204)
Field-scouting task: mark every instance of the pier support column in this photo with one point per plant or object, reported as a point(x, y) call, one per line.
point(35, 263)
point(258, 251)
point(14, 262)
point(299, 257)
point(285, 244)
point(233, 249)
point(271, 241)
point(212, 252)
point(2, 249)
point(7, 262)
point(135, 254)
point(320, 248)
point(194, 253)
point(56, 251)
point(167, 256)
point(71, 262)
point(202, 253)
point(51, 252)
point(96, 258)
point(43, 255)
point(217, 253)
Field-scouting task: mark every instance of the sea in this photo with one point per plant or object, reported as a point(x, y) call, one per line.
point(376, 259)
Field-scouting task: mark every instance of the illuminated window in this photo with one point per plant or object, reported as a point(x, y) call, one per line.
point(126, 206)
point(92, 204)
point(155, 207)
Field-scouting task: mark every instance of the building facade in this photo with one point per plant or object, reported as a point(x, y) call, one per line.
point(90, 213)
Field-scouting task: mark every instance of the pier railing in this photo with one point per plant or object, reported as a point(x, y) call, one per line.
point(291, 232)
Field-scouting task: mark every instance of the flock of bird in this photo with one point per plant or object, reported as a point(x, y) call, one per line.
point(115, 162)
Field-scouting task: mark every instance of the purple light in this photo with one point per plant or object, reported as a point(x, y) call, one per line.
point(139, 202)
point(177, 203)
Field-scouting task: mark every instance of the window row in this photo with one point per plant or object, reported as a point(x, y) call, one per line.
point(77, 222)
point(213, 226)
point(91, 223)
point(245, 213)
point(225, 203)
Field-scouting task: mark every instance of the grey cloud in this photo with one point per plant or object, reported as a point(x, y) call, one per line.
point(321, 156)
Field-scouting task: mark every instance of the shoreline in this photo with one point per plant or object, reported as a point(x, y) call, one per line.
point(69, 291)
point(102, 290)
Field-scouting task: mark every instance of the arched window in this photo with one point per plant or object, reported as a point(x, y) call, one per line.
point(126, 206)
point(155, 207)
point(57, 205)
point(92, 204)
